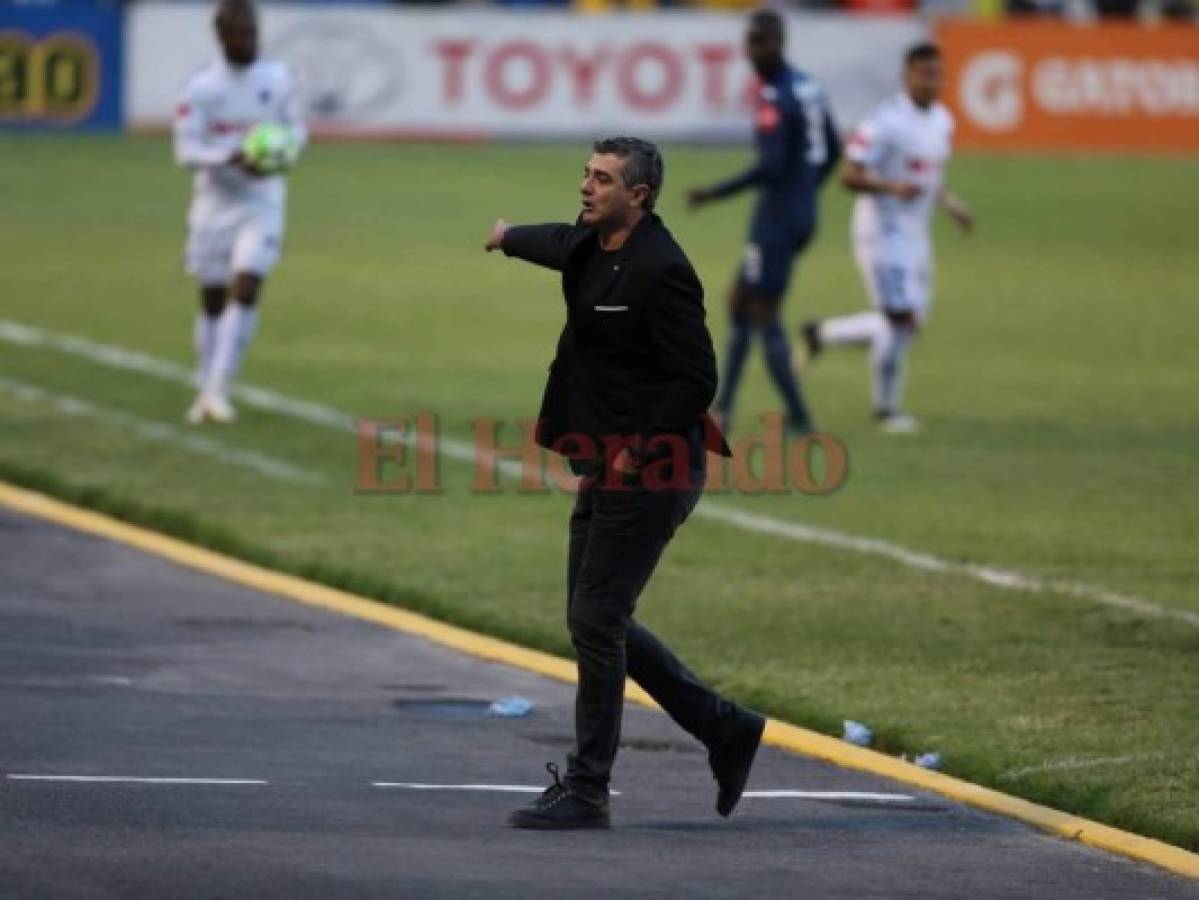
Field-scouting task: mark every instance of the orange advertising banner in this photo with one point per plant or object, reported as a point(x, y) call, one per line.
point(1054, 86)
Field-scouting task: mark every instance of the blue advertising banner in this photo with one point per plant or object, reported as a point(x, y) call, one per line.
point(61, 66)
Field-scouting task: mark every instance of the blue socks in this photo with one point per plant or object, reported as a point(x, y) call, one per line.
point(740, 334)
point(778, 361)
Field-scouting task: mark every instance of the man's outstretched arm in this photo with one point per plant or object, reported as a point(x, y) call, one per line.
point(767, 170)
point(546, 245)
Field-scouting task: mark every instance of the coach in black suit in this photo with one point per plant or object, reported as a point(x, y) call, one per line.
point(626, 400)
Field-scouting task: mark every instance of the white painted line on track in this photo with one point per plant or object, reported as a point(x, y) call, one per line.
point(828, 795)
point(486, 788)
point(159, 432)
point(131, 779)
point(461, 451)
point(491, 788)
point(784, 794)
point(787, 794)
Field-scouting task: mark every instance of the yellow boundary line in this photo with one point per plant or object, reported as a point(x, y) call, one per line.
point(778, 734)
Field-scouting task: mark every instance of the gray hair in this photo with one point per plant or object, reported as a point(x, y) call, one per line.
point(642, 164)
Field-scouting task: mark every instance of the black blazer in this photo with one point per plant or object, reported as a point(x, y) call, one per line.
point(635, 357)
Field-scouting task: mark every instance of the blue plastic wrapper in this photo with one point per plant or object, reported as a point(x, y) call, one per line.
point(510, 707)
point(857, 733)
point(928, 760)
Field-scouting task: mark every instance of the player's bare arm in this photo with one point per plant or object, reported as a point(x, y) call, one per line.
point(957, 209)
point(859, 179)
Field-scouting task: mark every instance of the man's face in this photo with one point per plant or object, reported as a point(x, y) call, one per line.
point(764, 49)
point(922, 79)
point(606, 199)
point(237, 31)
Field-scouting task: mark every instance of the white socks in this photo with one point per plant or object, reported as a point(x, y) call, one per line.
point(205, 338)
point(886, 362)
point(888, 348)
point(856, 330)
point(233, 331)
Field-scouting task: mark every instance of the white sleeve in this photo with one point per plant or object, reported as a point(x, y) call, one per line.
point(293, 112)
point(194, 146)
point(867, 146)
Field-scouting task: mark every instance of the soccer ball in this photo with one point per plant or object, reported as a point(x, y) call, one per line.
point(270, 148)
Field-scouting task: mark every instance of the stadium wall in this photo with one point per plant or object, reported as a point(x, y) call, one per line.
point(481, 74)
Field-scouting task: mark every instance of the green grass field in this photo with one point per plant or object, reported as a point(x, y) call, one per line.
point(1057, 385)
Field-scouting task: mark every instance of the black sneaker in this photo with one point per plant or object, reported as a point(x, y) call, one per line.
point(561, 807)
point(734, 757)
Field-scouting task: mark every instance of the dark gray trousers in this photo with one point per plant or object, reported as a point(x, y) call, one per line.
point(617, 536)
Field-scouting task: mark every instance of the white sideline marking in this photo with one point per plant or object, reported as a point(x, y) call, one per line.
point(158, 431)
point(1000, 578)
point(130, 779)
point(828, 795)
point(259, 398)
point(316, 414)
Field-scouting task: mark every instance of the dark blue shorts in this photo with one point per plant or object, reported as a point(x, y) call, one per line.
point(767, 261)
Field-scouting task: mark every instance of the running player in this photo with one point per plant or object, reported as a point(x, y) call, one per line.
point(798, 147)
point(235, 224)
point(895, 162)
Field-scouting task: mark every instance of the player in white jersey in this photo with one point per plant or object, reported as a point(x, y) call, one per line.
point(895, 162)
point(235, 224)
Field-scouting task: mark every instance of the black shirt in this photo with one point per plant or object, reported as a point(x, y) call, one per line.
point(635, 358)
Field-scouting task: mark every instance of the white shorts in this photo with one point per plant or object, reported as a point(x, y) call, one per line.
point(226, 238)
point(897, 279)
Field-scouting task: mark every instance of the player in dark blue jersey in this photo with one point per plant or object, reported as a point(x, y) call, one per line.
point(798, 146)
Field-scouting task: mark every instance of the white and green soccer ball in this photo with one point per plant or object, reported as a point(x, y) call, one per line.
point(270, 149)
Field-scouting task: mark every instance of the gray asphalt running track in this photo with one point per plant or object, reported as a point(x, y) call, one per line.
point(115, 663)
